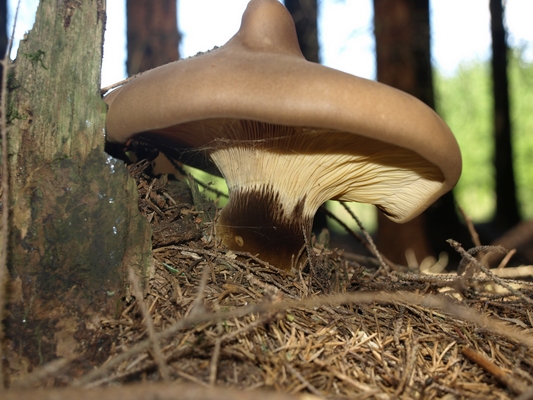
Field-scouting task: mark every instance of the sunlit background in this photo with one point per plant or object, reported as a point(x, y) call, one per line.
point(460, 47)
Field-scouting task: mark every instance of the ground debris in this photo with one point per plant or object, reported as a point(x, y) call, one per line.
point(293, 342)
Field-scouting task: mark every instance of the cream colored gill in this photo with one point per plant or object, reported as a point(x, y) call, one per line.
point(321, 165)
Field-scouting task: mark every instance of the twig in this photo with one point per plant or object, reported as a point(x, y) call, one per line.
point(220, 253)
point(514, 272)
point(506, 259)
point(49, 369)
point(192, 378)
point(350, 231)
point(197, 306)
point(366, 260)
point(294, 261)
point(158, 354)
point(196, 180)
point(464, 264)
point(473, 233)
point(130, 371)
point(398, 325)
point(371, 243)
point(409, 368)
point(308, 248)
point(300, 377)
point(368, 391)
point(210, 188)
point(451, 279)
point(106, 89)
point(466, 255)
point(214, 362)
point(231, 335)
point(527, 395)
point(516, 386)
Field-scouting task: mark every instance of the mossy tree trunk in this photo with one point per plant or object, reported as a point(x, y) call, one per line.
point(74, 220)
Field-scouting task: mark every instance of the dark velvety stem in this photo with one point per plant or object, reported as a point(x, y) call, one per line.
point(256, 222)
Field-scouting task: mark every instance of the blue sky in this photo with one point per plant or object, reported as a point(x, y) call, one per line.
point(460, 31)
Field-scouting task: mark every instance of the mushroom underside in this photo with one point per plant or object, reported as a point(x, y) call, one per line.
point(278, 176)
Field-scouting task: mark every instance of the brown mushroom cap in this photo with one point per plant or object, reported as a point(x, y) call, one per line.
point(256, 96)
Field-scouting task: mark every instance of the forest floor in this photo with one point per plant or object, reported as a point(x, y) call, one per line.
point(343, 326)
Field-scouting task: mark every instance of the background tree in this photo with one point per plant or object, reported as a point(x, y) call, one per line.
point(507, 214)
point(152, 34)
point(305, 16)
point(403, 60)
point(74, 220)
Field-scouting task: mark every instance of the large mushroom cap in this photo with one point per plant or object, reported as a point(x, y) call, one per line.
point(358, 140)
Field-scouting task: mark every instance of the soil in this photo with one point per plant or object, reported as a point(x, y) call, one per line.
point(342, 326)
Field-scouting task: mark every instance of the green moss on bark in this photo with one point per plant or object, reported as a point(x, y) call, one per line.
point(74, 219)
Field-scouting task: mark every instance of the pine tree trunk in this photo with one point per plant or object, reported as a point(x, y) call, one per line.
point(402, 51)
point(153, 36)
point(507, 214)
point(305, 16)
point(74, 220)
point(403, 58)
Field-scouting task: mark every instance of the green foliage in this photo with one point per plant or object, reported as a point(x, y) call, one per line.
point(521, 77)
point(367, 213)
point(216, 183)
point(464, 101)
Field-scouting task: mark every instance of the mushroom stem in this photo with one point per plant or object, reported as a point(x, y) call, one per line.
point(256, 221)
point(269, 197)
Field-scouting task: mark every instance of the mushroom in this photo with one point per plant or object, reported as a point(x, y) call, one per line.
point(288, 134)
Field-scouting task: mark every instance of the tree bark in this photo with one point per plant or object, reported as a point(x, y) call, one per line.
point(403, 58)
point(153, 36)
point(3, 31)
point(507, 213)
point(402, 55)
point(305, 16)
point(74, 220)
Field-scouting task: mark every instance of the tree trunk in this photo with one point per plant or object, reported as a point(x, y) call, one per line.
point(74, 220)
point(507, 214)
point(305, 16)
point(403, 58)
point(153, 36)
point(3, 30)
